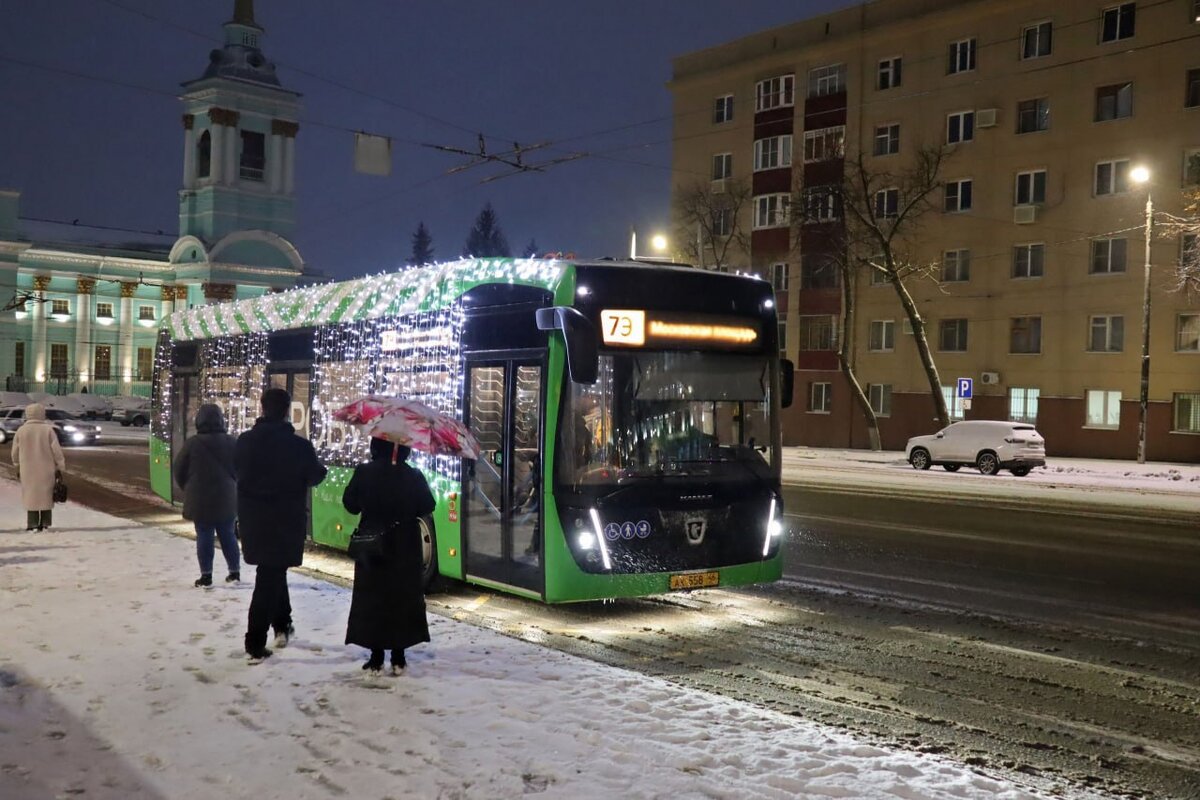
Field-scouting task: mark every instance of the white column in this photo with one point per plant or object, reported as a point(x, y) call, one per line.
point(38, 312)
point(216, 158)
point(289, 163)
point(275, 163)
point(83, 332)
point(189, 158)
point(231, 157)
point(125, 337)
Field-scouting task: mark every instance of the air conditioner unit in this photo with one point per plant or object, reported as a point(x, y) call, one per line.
point(985, 118)
point(719, 186)
point(990, 378)
point(906, 326)
point(1024, 215)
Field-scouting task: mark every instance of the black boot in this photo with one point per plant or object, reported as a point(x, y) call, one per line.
point(398, 662)
point(375, 662)
point(204, 580)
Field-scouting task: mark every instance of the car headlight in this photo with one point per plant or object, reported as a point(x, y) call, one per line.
point(69, 428)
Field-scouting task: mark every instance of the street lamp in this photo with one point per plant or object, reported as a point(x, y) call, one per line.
point(1141, 175)
point(659, 243)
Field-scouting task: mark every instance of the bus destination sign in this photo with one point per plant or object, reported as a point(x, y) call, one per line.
point(640, 328)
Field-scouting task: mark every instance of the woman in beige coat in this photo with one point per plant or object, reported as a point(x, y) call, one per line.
point(39, 458)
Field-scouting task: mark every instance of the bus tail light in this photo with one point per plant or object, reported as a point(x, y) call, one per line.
point(600, 539)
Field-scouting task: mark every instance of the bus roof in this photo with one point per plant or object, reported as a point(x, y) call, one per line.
point(408, 291)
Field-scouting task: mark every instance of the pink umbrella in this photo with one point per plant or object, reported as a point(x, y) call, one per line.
point(410, 423)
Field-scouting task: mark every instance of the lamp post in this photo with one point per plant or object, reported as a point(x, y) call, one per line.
point(658, 243)
point(1141, 175)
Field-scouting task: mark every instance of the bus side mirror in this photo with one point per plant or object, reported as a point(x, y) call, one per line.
point(787, 382)
point(583, 351)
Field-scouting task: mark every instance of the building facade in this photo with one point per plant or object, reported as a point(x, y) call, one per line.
point(85, 315)
point(1035, 247)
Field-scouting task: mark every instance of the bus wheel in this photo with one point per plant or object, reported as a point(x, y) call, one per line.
point(429, 565)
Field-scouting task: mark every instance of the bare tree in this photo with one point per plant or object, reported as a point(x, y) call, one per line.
point(1186, 225)
point(882, 213)
point(708, 222)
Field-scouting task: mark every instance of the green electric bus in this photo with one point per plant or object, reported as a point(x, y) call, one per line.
point(627, 413)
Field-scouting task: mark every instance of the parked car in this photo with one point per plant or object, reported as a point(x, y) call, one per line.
point(989, 445)
point(137, 415)
point(60, 402)
point(95, 406)
point(70, 429)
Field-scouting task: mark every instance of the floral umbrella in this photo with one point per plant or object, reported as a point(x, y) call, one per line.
point(410, 423)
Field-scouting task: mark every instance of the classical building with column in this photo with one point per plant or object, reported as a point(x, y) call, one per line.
point(81, 315)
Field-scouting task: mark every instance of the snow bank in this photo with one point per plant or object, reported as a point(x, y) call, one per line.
point(118, 679)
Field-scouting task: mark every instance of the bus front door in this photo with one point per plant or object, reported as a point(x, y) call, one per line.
point(502, 515)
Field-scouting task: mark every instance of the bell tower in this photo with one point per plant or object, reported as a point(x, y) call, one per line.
point(239, 131)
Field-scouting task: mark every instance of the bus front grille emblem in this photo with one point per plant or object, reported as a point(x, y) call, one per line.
point(695, 529)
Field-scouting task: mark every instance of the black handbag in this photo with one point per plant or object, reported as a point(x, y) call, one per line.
point(367, 542)
point(60, 488)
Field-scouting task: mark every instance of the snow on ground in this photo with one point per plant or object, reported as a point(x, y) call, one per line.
point(118, 679)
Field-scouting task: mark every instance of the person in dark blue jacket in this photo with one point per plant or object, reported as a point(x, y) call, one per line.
point(275, 469)
point(204, 470)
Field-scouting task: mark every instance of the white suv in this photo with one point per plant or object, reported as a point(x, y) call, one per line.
point(990, 445)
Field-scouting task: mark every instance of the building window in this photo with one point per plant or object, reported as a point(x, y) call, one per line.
point(1033, 115)
point(887, 140)
point(888, 76)
point(827, 80)
point(880, 397)
point(1031, 188)
point(824, 144)
point(1106, 334)
point(821, 204)
point(58, 360)
point(956, 265)
point(1112, 177)
point(723, 109)
point(1108, 256)
point(781, 329)
point(254, 155)
point(204, 155)
point(952, 335)
point(145, 363)
point(104, 311)
point(1035, 40)
point(962, 56)
point(816, 333)
point(1195, 10)
point(953, 403)
point(819, 272)
point(960, 127)
point(773, 152)
point(146, 313)
point(722, 166)
point(958, 195)
point(722, 222)
point(1191, 168)
point(1117, 23)
point(60, 308)
point(1187, 333)
point(1023, 405)
point(774, 93)
point(1103, 409)
point(1187, 413)
point(1025, 335)
point(820, 397)
point(1189, 251)
point(882, 338)
point(1192, 97)
point(19, 359)
point(779, 277)
point(1028, 260)
point(1114, 102)
point(887, 203)
point(103, 363)
point(771, 210)
point(878, 276)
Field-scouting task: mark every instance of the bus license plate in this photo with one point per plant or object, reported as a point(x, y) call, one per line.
point(695, 580)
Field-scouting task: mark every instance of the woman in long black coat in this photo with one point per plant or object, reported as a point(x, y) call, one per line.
point(387, 610)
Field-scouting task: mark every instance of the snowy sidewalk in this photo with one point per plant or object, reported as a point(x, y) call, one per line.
point(120, 680)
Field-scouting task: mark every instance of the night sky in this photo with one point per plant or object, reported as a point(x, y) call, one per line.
point(109, 151)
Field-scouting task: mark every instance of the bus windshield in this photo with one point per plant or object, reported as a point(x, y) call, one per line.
point(667, 414)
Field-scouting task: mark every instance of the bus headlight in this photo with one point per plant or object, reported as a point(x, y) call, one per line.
point(774, 527)
point(599, 530)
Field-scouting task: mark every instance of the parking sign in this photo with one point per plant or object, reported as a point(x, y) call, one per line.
point(965, 387)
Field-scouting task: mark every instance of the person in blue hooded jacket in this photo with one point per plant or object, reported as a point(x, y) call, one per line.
point(204, 470)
